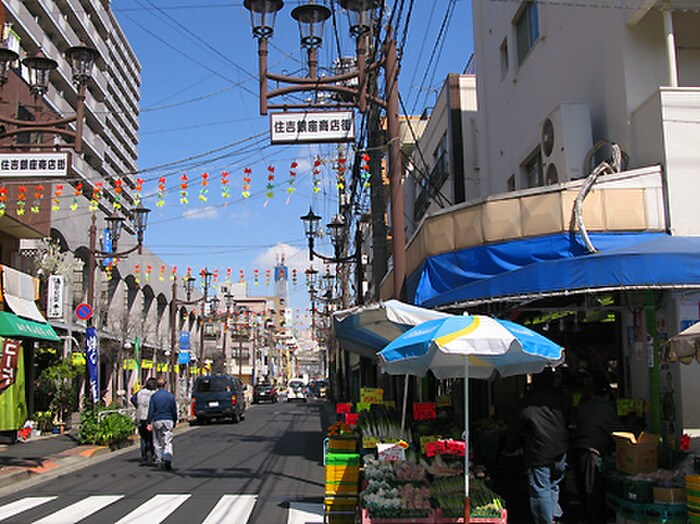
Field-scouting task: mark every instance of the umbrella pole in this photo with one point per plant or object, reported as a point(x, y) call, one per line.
point(405, 403)
point(467, 505)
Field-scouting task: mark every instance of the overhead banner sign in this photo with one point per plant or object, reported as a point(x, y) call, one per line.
point(92, 356)
point(312, 127)
point(35, 165)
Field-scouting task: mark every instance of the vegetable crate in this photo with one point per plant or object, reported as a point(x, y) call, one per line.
point(342, 444)
point(366, 519)
point(340, 509)
point(502, 519)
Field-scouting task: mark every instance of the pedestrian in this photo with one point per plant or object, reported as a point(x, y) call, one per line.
point(162, 417)
point(541, 427)
point(141, 401)
point(596, 419)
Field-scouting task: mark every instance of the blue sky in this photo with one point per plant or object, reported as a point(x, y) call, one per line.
point(199, 114)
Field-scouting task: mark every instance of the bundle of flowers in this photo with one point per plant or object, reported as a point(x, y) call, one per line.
point(341, 428)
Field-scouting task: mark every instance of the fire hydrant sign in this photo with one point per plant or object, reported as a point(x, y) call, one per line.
point(424, 411)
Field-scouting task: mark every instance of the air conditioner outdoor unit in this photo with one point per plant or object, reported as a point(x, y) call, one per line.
point(565, 140)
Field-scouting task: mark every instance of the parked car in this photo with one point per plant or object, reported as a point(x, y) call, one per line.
point(296, 390)
point(216, 397)
point(264, 393)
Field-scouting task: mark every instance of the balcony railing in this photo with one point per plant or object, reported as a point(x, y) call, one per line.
point(438, 175)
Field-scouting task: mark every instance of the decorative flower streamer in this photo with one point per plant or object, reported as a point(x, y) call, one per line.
point(247, 172)
point(161, 192)
point(316, 175)
point(161, 275)
point(204, 190)
point(267, 277)
point(366, 175)
point(3, 201)
point(241, 276)
point(57, 192)
point(255, 277)
point(340, 170)
point(294, 276)
point(118, 193)
point(270, 187)
point(77, 192)
point(228, 276)
point(148, 273)
point(292, 179)
point(137, 274)
point(21, 199)
point(183, 189)
point(225, 191)
point(138, 189)
point(96, 195)
point(173, 273)
point(38, 195)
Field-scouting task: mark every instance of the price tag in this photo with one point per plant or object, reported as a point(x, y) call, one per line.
point(390, 452)
point(425, 439)
point(343, 407)
point(371, 395)
point(444, 401)
point(390, 404)
point(455, 447)
point(424, 411)
point(351, 418)
point(435, 448)
point(370, 442)
point(362, 406)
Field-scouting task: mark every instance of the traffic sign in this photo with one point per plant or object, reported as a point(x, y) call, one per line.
point(83, 311)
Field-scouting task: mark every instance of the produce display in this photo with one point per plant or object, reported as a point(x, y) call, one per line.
point(395, 490)
point(448, 493)
point(383, 425)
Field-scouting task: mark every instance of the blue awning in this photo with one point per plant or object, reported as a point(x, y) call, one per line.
point(653, 261)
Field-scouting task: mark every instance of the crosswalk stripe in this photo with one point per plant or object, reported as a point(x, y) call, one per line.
point(305, 513)
point(18, 506)
point(154, 510)
point(232, 509)
point(80, 510)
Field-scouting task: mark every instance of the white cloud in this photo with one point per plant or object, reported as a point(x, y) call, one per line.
point(294, 258)
point(206, 212)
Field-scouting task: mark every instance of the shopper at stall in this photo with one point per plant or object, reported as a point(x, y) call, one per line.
point(541, 428)
point(162, 417)
point(141, 400)
point(596, 419)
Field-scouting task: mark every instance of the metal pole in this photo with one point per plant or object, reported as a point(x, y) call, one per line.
point(79, 117)
point(398, 235)
point(262, 67)
point(91, 262)
point(173, 339)
point(670, 47)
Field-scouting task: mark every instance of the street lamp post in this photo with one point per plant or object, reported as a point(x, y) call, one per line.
point(206, 282)
point(188, 283)
point(39, 67)
point(228, 302)
point(310, 18)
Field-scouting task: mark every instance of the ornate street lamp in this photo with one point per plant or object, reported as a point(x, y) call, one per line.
point(360, 15)
point(338, 230)
point(39, 67)
point(262, 16)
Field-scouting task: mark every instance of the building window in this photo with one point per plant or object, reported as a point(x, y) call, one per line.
point(511, 183)
point(527, 29)
point(24, 114)
point(504, 58)
point(532, 170)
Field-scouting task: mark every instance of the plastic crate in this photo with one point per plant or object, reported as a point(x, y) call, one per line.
point(615, 484)
point(342, 474)
point(340, 504)
point(343, 459)
point(341, 488)
point(667, 513)
point(340, 444)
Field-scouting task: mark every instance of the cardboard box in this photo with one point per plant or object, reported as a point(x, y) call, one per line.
point(669, 495)
point(636, 455)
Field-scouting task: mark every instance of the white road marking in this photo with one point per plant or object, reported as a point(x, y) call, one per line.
point(154, 510)
point(80, 510)
point(232, 509)
point(18, 506)
point(305, 513)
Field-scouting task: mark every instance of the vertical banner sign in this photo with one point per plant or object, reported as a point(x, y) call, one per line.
point(91, 355)
point(8, 363)
point(54, 299)
point(107, 247)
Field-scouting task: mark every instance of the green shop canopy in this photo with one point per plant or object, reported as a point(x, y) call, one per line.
point(13, 326)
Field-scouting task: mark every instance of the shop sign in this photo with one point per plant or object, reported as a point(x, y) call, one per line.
point(424, 411)
point(8, 363)
point(54, 299)
point(425, 439)
point(146, 364)
point(391, 452)
point(443, 401)
point(185, 340)
point(370, 442)
point(446, 447)
point(371, 395)
point(184, 357)
point(310, 127)
point(91, 352)
point(34, 165)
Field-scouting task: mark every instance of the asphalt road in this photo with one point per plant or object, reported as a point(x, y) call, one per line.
point(266, 469)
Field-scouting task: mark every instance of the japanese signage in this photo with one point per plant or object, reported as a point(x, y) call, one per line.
point(352, 418)
point(343, 407)
point(91, 355)
point(371, 395)
point(424, 411)
point(8, 363)
point(185, 340)
point(34, 165)
point(312, 127)
point(392, 452)
point(54, 299)
point(446, 447)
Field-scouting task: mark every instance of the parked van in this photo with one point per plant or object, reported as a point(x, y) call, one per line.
point(218, 396)
point(296, 390)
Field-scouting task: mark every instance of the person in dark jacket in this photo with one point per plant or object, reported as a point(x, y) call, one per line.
point(141, 401)
point(596, 419)
point(542, 427)
point(162, 417)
